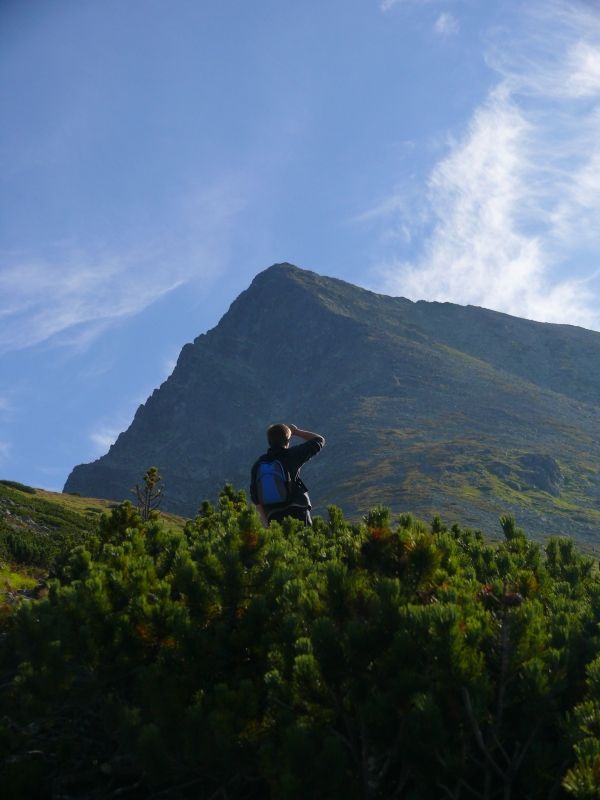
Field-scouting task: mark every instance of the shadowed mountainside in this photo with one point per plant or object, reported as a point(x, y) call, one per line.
point(427, 407)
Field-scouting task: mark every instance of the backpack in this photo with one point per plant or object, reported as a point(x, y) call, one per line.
point(273, 486)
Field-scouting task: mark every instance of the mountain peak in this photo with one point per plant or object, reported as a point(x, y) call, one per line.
point(427, 407)
point(277, 276)
point(283, 266)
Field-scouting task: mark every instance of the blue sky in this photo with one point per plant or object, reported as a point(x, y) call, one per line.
point(157, 154)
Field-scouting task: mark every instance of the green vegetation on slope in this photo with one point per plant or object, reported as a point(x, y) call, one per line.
point(38, 530)
point(378, 660)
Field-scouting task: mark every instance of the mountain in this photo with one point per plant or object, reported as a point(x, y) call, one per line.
point(426, 407)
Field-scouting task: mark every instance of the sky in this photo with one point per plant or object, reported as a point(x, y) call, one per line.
point(157, 154)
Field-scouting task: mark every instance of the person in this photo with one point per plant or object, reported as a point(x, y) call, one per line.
point(297, 504)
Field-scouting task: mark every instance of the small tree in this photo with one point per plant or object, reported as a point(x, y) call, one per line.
point(149, 496)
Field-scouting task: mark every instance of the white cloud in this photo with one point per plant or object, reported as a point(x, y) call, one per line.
point(71, 294)
point(393, 203)
point(42, 298)
point(169, 365)
point(106, 430)
point(584, 70)
point(386, 5)
point(446, 24)
point(96, 369)
point(5, 448)
point(103, 437)
point(509, 216)
point(10, 402)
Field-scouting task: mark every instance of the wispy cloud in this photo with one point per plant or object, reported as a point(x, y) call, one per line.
point(70, 294)
point(509, 216)
point(42, 298)
point(103, 437)
point(386, 5)
point(169, 363)
point(446, 25)
point(106, 430)
point(10, 402)
point(5, 448)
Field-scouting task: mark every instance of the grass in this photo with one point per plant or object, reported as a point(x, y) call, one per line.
point(93, 507)
point(15, 581)
point(38, 526)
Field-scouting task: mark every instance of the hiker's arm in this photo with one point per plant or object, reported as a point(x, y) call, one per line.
point(262, 514)
point(305, 434)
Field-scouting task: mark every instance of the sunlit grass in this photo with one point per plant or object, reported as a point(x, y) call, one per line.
point(15, 579)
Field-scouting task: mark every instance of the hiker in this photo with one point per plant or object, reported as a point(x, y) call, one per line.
point(275, 484)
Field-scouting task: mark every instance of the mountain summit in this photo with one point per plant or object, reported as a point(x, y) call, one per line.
point(427, 407)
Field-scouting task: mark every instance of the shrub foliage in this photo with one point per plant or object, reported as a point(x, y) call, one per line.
point(380, 660)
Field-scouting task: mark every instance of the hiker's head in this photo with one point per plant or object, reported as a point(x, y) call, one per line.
point(279, 435)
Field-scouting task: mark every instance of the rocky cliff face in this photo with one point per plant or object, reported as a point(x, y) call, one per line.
point(427, 407)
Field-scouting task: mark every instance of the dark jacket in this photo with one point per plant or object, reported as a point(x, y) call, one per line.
point(292, 459)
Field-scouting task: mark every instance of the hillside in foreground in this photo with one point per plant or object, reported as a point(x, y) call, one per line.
point(386, 658)
point(430, 407)
point(38, 528)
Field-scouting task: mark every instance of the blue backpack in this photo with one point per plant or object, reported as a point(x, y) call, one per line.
point(272, 483)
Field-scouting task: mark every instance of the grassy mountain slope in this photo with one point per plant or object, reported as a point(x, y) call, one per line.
point(427, 407)
point(37, 527)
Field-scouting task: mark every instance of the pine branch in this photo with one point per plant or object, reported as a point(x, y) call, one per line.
point(478, 735)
